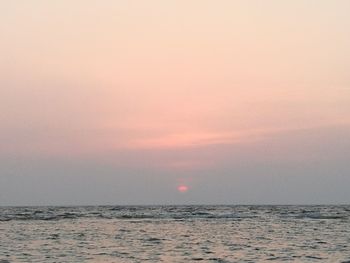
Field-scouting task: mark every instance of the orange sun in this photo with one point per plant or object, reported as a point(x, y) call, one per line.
point(182, 188)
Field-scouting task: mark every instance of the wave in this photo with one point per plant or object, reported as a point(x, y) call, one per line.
point(176, 213)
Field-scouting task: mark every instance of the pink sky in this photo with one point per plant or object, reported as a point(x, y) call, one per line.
point(96, 78)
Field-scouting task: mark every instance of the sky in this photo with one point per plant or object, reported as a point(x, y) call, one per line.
point(174, 102)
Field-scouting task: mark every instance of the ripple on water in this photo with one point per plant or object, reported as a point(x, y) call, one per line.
point(175, 234)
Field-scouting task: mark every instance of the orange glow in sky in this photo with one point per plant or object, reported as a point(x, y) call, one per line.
point(202, 96)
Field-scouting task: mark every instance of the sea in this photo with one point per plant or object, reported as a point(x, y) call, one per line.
point(191, 233)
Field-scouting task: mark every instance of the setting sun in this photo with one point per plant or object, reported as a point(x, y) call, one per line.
point(182, 188)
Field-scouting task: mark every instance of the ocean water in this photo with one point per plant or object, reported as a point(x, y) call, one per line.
point(175, 234)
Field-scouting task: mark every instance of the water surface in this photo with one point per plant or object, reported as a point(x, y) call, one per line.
point(175, 234)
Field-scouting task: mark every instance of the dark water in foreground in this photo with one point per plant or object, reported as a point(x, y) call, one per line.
point(175, 234)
